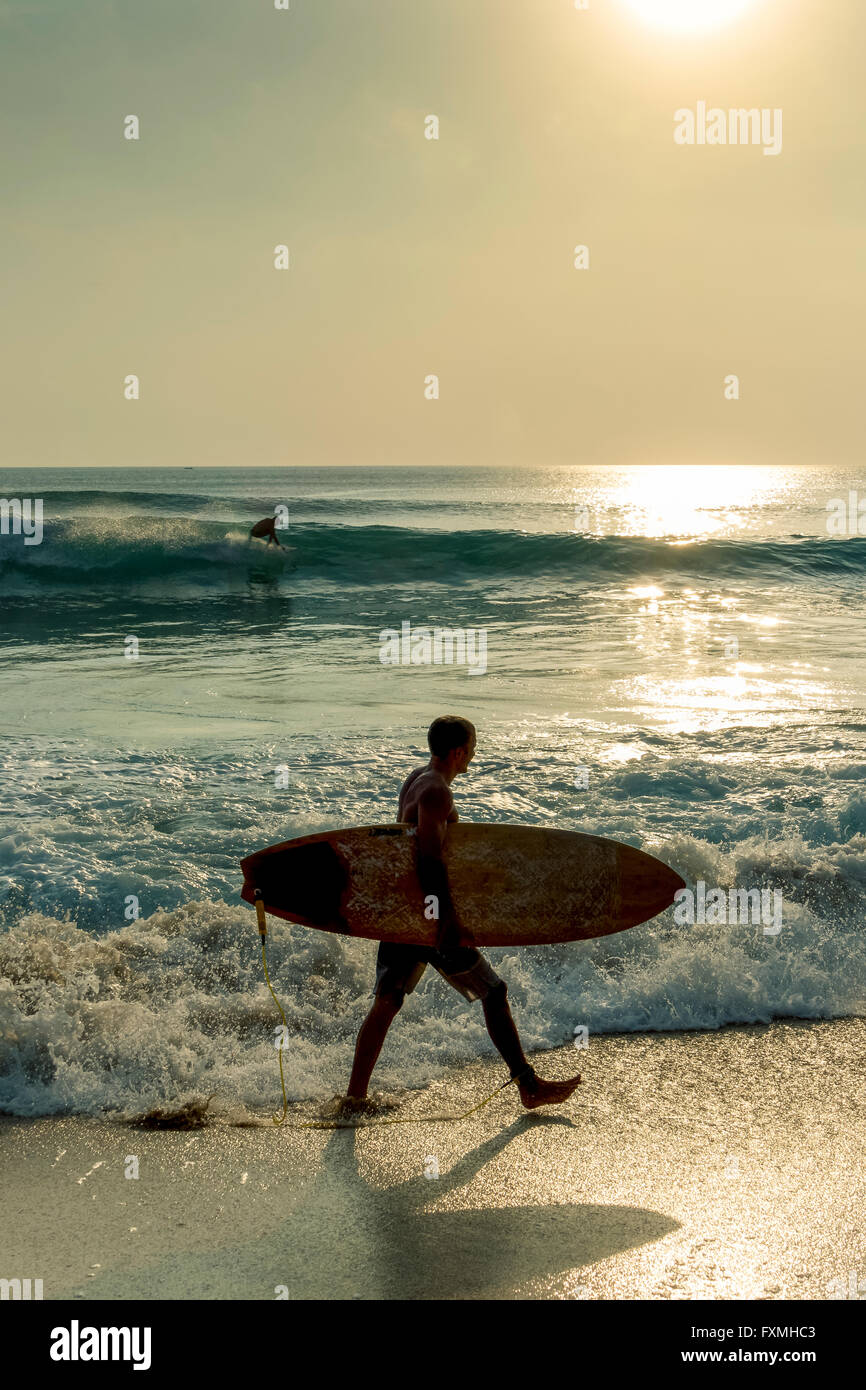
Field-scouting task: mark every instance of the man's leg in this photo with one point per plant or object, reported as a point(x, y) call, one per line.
point(503, 1030)
point(370, 1039)
point(533, 1089)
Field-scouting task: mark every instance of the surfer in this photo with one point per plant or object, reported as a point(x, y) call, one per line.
point(426, 801)
point(266, 527)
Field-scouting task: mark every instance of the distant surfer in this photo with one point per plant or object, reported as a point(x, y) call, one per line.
point(266, 527)
point(426, 801)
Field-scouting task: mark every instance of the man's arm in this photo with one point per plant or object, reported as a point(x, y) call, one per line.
point(434, 808)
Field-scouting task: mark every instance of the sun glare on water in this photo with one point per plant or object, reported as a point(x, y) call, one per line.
point(685, 15)
point(686, 501)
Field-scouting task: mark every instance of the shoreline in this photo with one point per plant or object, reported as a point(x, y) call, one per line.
point(668, 1176)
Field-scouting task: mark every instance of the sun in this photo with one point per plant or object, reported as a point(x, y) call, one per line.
point(688, 14)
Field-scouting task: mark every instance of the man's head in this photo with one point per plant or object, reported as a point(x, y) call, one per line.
point(452, 740)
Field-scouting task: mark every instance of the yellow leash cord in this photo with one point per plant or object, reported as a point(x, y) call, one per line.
point(402, 1119)
point(282, 1039)
point(348, 1124)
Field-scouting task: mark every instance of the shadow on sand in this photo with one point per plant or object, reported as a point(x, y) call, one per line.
point(346, 1239)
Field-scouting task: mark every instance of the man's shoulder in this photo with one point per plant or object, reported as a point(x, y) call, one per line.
point(432, 788)
point(414, 776)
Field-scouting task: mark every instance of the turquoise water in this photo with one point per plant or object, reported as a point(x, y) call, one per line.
point(258, 708)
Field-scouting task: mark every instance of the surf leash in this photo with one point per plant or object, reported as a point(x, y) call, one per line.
point(261, 920)
point(263, 932)
point(403, 1119)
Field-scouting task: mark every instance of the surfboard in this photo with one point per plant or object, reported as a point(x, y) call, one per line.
point(512, 885)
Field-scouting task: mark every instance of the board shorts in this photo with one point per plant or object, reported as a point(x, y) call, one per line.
point(399, 968)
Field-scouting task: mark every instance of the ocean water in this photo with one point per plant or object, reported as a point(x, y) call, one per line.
point(672, 656)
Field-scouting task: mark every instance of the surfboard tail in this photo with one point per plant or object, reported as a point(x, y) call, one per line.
point(301, 882)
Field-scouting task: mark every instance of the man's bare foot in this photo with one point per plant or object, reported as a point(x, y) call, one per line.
point(350, 1107)
point(534, 1091)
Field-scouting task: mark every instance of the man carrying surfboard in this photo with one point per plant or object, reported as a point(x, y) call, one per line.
point(426, 801)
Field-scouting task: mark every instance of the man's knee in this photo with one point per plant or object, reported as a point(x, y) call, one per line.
point(497, 996)
point(390, 1001)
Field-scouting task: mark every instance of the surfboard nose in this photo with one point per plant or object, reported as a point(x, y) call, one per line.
point(647, 886)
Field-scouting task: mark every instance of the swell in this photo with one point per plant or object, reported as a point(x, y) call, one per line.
point(102, 551)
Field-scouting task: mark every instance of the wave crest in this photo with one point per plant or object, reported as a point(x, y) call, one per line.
point(100, 550)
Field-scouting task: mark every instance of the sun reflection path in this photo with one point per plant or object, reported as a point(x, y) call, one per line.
point(708, 672)
point(685, 500)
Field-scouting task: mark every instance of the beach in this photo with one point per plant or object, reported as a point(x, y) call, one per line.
point(694, 1165)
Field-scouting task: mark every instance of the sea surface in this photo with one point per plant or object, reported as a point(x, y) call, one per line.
point(672, 656)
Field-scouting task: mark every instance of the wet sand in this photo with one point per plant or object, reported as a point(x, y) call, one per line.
point(688, 1166)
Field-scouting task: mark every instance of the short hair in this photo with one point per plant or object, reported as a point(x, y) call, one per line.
point(447, 732)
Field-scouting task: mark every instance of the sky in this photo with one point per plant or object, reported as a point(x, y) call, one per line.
point(413, 258)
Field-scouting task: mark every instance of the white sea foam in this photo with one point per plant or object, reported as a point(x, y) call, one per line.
point(174, 1007)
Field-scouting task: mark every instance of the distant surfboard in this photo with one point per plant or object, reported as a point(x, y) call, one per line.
point(512, 885)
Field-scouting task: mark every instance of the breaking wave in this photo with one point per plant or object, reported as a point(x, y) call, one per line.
point(102, 552)
point(174, 1007)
